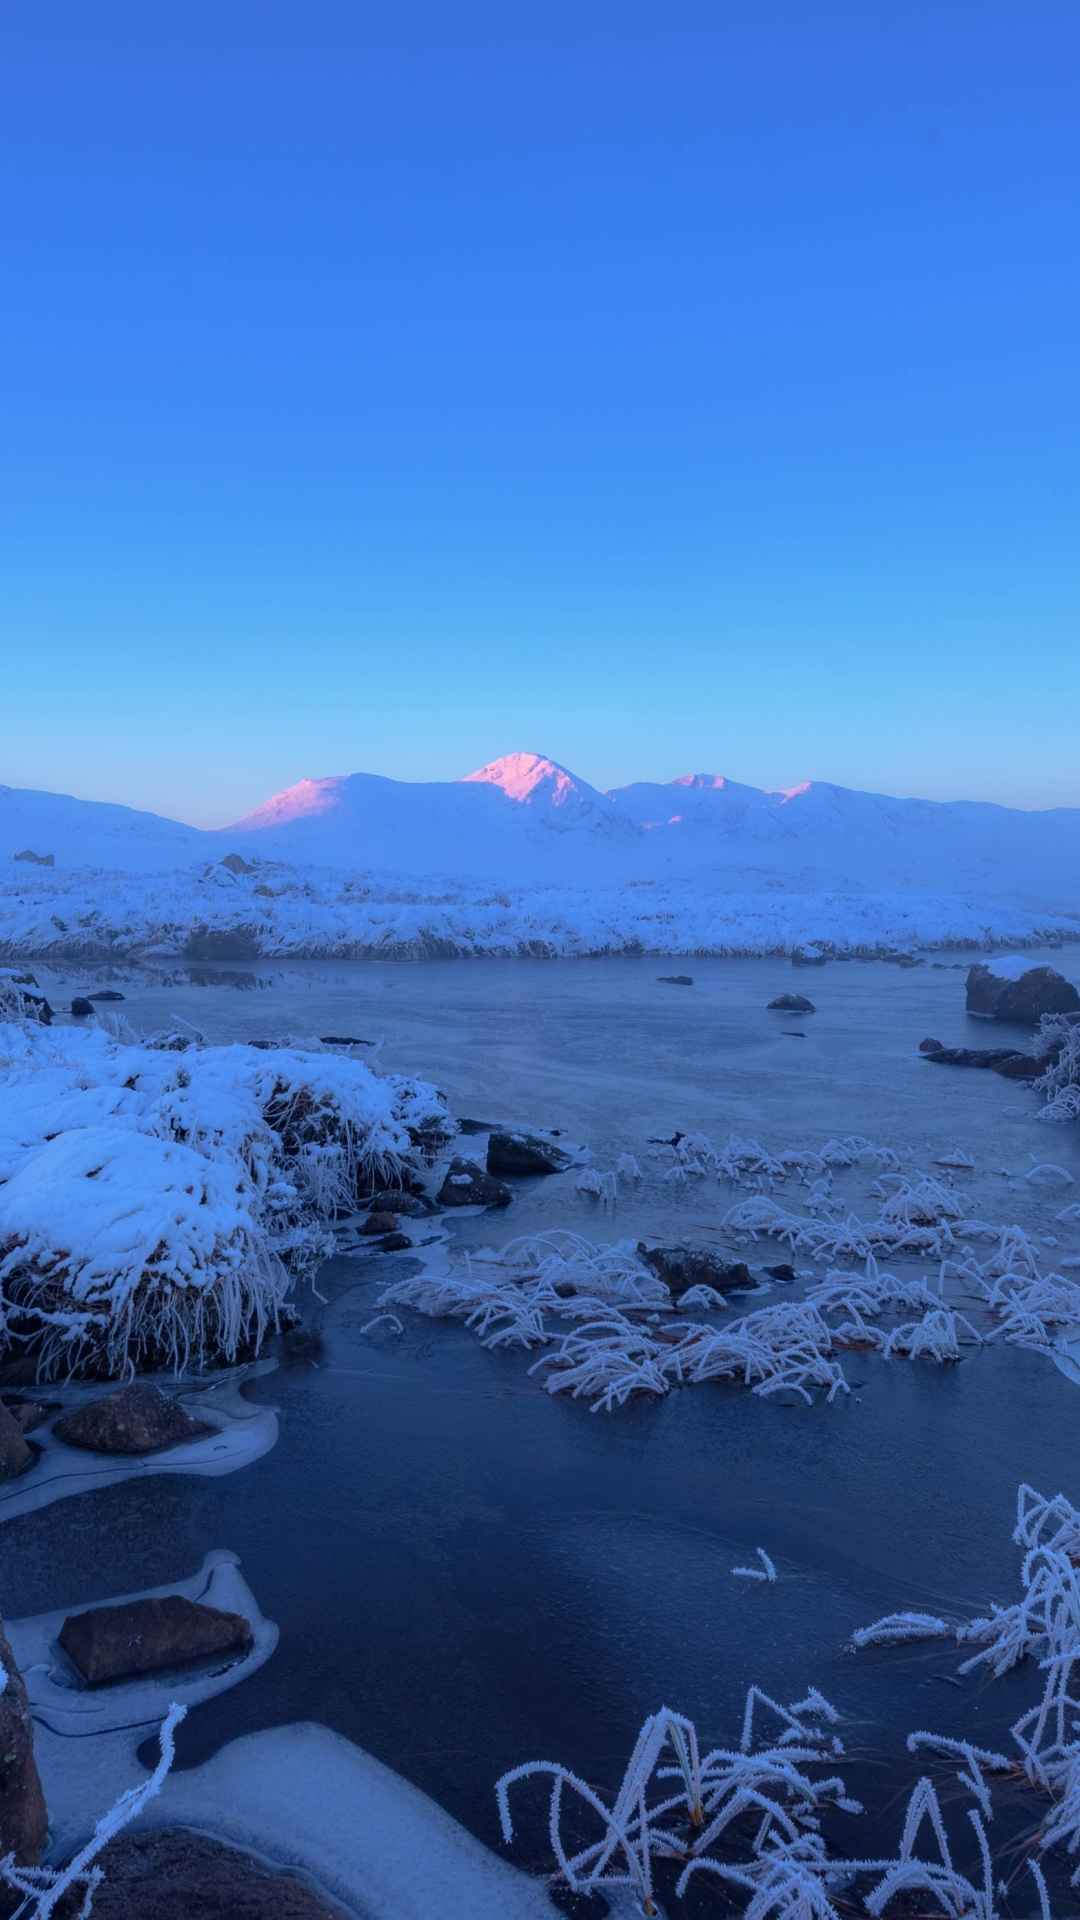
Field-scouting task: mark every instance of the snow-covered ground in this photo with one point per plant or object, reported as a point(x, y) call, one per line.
point(212, 913)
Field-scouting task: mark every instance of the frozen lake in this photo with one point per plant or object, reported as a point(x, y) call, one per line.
point(468, 1573)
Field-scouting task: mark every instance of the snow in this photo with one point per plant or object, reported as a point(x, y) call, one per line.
point(210, 913)
point(525, 820)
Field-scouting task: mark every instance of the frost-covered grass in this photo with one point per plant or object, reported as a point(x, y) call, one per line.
point(156, 1202)
point(280, 909)
point(1059, 1035)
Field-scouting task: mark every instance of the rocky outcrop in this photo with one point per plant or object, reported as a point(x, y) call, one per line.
point(683, 1267)
point(512, 1156)
point(236, 863)
point(23, 1820)
point(467, 1185)
point(177, 1875)
point(1015, 992)
point(931, 1046)
point(36, 859)
point(80, 1005)
point(138, 1419)
point(114, 1643)
point(791, 1003)
point(996, 1057)
point(675, 979)
point(808, 957)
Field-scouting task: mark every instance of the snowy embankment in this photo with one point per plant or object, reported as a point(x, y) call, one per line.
point(276, 910)
point(157, 1199)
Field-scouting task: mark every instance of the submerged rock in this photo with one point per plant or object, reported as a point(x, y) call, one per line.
point(177, 1875)
point(791, 1003)
point(23, 1821)
point(972, 1056)
point(513, 1155)
point(808, 957)
point(113, 1643)
point(683, 1267)
point(467, 1185)
point(15, 1455)
point(675, 979)
point(1011, 991)
point(138, 1419)
point(107, 993)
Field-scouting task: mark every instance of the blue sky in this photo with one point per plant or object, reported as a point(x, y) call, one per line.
point(661, 386)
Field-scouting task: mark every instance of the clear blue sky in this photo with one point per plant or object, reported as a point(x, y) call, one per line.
point(664, 385)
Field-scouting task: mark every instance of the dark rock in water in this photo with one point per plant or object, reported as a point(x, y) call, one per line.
point(931, 1046)
point(36, 859)
point(792, 1033)
point(683, 1267)
point(791, 1003)
point(379, 1222)
point(107, 993)
point(176, 1875)
point(23, 1820)
point(905, 959)
point(138, 1419)
point(15, 1456)
point(410, 1205)
point(807, 957)
point(81, 1005)
point(1019, 996)
point(396, 1243)
point(467, 1185)
point(513, 1155)
point(783, 1272)
point(28, 1414)
point(1023, 1067)
point(973, 1056)
point(112, 1643)
point(344, 1040)
point(476, 1126)
point(675, 979)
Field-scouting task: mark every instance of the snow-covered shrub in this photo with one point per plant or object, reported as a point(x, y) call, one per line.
point(1058, 1043)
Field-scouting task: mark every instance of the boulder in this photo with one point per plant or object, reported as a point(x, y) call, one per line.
point(176, 1875)
point(1010, 990)
point(410, 1206)
point(236, 863)
point(791, 1003)
point(807, 957)
point(683, 1267)
point(379, 1222)
point(15, 1455)
point(107, 1644)
point(467, 1185)
point(28, 1414)
point(80, 1005)
point(1022, 1066)
point(396, 1243)
point(784, 1273)
point(23, 1821)
point(138, 1419)
point(931, 1046)
point(510, 1156)
point(675, 979)
point(107, 993)
point(36, 859)
point(973, 1056)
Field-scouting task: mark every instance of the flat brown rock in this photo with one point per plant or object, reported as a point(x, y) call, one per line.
point(137, 1419)
point(115, 1643)
point(176, 1875)
point(23, 1820)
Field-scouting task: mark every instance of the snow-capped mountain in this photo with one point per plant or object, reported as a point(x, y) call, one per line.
point(524, 819)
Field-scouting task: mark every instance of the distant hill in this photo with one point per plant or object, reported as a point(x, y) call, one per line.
point(525, 819)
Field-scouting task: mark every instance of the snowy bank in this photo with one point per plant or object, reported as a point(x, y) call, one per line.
point(212, 913)
point(156, 1200)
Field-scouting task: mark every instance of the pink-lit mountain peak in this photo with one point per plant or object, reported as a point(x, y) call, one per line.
point(531, 778)
point(308, 800)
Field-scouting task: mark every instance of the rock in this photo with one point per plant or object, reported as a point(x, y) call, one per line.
point(342, 1039)
point(476, 1126)
point(410, 1205)
point(807, 957)
point(467, 1185)
point(28, 1414)
point(931, 1046)
point(236, 863)
point(1011, 991)
point(15, 1455)
point(80, 1005)
point(380, 1222)
point(513, 1155)
point(176, 1875)
point(783, 1272)
point(23, 1821)
point(396, 1243)
point(37, 859)
point(791, 1003)
point(1023, 1067)
point(683, 1267)
point(113, 1643)
point(675, 979)
point(973, 1056)
point(138, 1419)
point(107, 993)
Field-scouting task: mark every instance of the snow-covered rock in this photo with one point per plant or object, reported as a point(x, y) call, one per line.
point(1012, 989)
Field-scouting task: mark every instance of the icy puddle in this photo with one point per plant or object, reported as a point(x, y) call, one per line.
point(467, 1572)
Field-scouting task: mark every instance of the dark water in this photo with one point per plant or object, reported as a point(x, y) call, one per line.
point(468, 1573)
